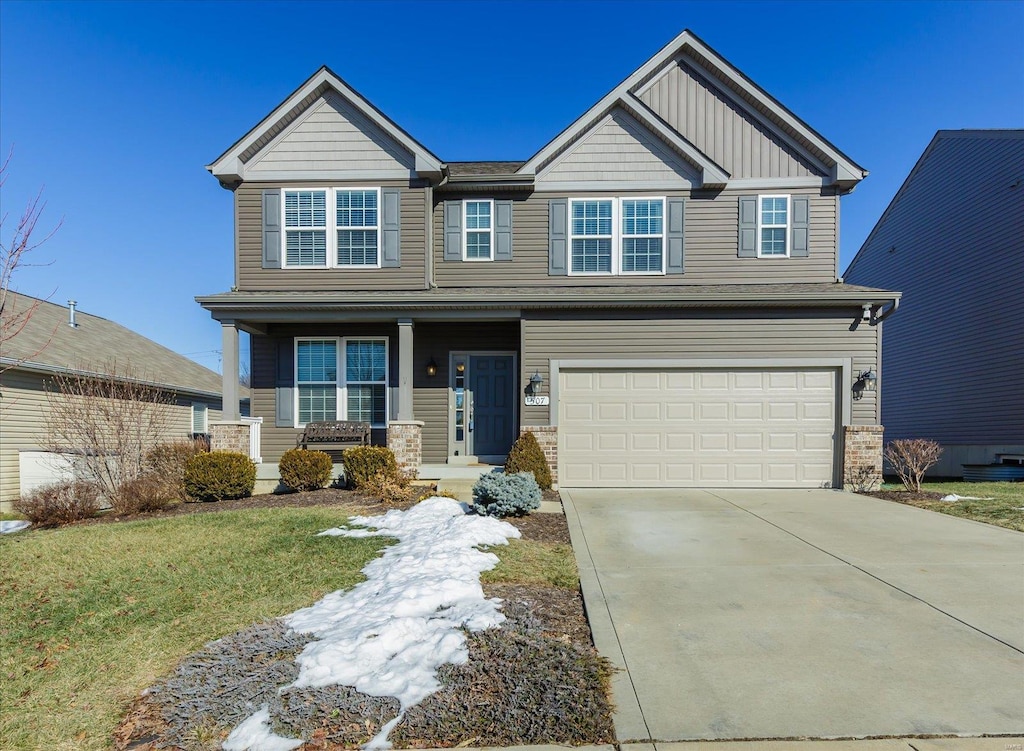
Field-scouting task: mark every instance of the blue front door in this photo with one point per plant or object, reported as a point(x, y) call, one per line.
point(492, 383)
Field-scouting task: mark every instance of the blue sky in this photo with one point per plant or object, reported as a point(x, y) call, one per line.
point(115, 108)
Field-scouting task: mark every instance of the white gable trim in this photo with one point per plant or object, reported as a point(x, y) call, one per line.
point(841, 171)
point(229, 167)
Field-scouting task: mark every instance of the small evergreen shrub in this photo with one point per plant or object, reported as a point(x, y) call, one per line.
point(305, 470)
point(527, 456)
point(59, 503)
point(220, 475)
point(436, 494)
point(364, 462)
point(390, 489)
point(504, 495)
point(167, 461)
point(148, 492)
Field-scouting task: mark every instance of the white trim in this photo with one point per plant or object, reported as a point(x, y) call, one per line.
point(466, 230)
point(787, 227)
point(617, 235)
point(341, 383)
point(331, 228)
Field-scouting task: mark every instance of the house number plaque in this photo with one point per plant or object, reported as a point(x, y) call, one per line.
point(538, 401)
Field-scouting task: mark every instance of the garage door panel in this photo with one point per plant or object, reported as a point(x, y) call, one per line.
point(697, 428)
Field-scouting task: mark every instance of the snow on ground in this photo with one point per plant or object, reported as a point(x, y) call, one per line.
point(389, 634)
point(7, 527)
point(953, 498)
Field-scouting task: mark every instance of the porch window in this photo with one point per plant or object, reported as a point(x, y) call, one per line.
point(316, 379)
point(366, 380)
point(773, 220)
point(479, 230)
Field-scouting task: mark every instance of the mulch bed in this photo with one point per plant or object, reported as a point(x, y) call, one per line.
point(903, 496)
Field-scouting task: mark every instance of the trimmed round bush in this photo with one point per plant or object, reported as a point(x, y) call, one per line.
point(219, 476)
point(527, 456)
point(364, 463)
point(504, 495)
point(305, 470)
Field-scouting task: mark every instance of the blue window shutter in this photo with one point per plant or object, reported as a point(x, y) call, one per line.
point(285, 390)
point(558, 237)
point(674, 235)
point(503, 230)
point(272, 229)
point(799, 246)
point(748, 227)
point(390, 228)
point(453, 230)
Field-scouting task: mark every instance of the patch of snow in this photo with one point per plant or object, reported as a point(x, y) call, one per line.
point(953, 498)
point(255, 734)
point(8, 527)
point(388, 635)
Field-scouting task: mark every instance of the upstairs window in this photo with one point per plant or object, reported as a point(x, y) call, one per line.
point(479, 230)
point(617, 236)
point(358, 226)
point(305, 227)
point(773, 226)
point(354, 213)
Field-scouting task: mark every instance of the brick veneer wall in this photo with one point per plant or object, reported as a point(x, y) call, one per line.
point(229, 436)
point(547, 437)
point(405, 439)
point(862, 457)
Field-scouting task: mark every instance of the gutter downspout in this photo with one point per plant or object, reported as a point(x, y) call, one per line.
point(887, 312)
point(428, 214)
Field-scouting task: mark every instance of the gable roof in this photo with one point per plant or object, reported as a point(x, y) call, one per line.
point(230, 166)
point(760, 105)
point(48, 344)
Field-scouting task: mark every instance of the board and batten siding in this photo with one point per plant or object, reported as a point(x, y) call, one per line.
point(251, 276)
point(713, 123)
point(26, 409)
point(952, 241)
point(331, 136)
point(710, 253)
point(731, 334)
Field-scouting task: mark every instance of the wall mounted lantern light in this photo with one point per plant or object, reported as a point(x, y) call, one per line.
point(460, 367)
point(431, 368)
point(536, 381)
point(866, 381)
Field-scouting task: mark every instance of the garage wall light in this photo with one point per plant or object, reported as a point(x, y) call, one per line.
point(536, 381)
point(866, 381)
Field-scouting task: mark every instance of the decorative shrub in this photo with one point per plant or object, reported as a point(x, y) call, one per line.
point(148, 492)
point(167, 461)
point(305, 470)
point(364, 462)
point(59, 503)
point(503, 495)
point(437, 494)
point(910, 458)
point(527, 456)
point(390, 489)
point(220, 475)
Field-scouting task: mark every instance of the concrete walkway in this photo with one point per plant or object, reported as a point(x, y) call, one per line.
point(741, 614)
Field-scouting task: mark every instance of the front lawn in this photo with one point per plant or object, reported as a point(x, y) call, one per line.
point(1002, 503)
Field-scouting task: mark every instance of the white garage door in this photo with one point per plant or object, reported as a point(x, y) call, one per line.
point(696, 428)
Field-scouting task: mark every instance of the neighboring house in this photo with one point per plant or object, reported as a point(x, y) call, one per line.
point(58, 340)
point(953, 240)
point(653, 293)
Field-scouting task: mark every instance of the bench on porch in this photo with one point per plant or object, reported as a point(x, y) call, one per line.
point(334, 434)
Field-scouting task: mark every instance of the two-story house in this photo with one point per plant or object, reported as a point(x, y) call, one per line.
point(653, 293)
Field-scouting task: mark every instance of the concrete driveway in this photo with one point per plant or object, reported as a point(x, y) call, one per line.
point(804, 613)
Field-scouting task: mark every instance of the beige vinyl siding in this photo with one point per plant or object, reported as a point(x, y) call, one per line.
point(712, 228)
point(618, 151)
point(729, 334)
point(430, 394)
point(717, 127)
point(249, 241)
point(332, 136)
point(26, 408)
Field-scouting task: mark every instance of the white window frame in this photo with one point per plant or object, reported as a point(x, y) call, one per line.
point(341, 383)
point(787, 227)
point(466, 230)
point(206, 418)
point(617, 235)
point(332, 226)
point(285, 229)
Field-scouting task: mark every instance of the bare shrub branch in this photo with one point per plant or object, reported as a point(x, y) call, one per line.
point(910, 458)
point(109, 419)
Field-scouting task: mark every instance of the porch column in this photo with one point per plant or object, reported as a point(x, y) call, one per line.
point(405, 369)
point(229, 371)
